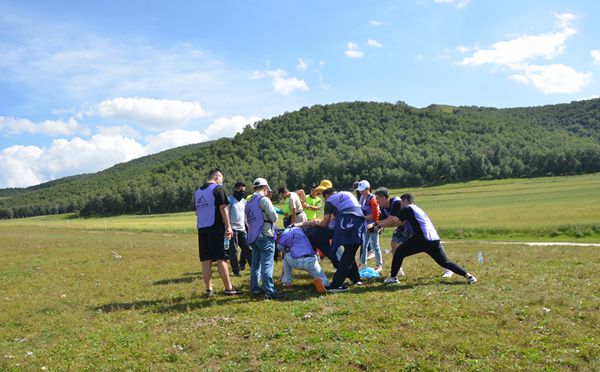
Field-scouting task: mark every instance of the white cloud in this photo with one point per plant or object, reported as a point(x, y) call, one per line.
point(152, 113)
point(353, 51)
point(375, 22)
point(456, 3)
point(462, 49)
point(302, 65)
point(123, 130)
point(515, 55)
point(525, 47)
point(76, 65)
point(228, 127)
point(281, 83)
point(22, 166)
point(596, 56)
point(555, 78)
point(588, 98)
point(172, 138)
point(19, 166)
point(374, 43)
point(48, 127)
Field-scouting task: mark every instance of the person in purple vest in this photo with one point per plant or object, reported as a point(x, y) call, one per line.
point(261, 218)
point(403, 232)
point(348, 228)
point(212, 220)
point(300, 254)
point(425, 238)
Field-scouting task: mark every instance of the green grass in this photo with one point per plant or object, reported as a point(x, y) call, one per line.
point(126, 293)
point(69, 302)
point(554, 208)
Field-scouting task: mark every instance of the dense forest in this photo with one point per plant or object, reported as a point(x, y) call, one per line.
point(395, 145)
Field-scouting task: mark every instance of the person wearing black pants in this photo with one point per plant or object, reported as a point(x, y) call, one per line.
point(239, 239)
point(432, 247)
point(237, 217)
point(347, 268)
point(320, 237)
point(343, 215)
point(424, 240)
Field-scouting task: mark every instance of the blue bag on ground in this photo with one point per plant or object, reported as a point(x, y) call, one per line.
point(368, 272)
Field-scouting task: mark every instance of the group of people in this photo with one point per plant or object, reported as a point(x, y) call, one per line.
point(350, 220)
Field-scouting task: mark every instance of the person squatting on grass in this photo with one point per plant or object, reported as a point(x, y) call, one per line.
point(348, 228)
point(212, 220)
point(403, 232)
point(237, 216)
point(299, 254)
point(261, 218)
point(425, 238)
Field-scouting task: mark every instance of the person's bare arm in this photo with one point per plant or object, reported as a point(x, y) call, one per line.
point(225, 215)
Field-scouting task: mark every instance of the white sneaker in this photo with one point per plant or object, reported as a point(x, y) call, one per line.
point(471, 279)
point(391, 280)
point(400, 272)
point(378, 269)
point(370, 256)
point(447, 274)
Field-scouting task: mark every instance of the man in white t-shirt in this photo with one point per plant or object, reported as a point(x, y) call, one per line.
point(297, 214)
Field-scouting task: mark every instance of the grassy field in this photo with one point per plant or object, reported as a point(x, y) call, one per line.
point(554, 208)
point(126, 293)
point(76, 300)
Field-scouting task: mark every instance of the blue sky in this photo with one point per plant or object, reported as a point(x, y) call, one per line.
point(85, 85)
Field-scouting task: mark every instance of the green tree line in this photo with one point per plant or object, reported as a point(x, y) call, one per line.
point(389, 144)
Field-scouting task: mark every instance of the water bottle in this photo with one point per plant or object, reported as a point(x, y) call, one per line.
point(480, 257)
point(226, 244)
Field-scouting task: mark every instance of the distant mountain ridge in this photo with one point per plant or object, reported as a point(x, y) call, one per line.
point(395, 145)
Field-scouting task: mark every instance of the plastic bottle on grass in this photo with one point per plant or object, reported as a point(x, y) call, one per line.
point(480, 257)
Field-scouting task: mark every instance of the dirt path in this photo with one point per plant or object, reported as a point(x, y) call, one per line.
point(531, 244)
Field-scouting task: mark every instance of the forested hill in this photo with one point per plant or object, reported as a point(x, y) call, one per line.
point(389, 144)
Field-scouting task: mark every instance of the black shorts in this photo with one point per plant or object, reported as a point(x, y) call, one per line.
point(210, 244)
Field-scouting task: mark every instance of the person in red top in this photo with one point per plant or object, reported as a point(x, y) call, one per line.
point(370, 209)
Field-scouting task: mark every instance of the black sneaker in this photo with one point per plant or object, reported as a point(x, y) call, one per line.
point(342, 288)
point(232, 292)
point(209, 293)
point(237, 274)
point(274, 296)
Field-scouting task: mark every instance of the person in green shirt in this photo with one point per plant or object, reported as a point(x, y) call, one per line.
point(313, 204)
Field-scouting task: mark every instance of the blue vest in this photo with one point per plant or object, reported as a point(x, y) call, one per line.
point(348, 226)
point(255, 218)
point(296, 242)
point(205, 206)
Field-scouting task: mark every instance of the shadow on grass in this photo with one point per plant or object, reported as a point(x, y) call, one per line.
point(184, 304)
point(297, 292)
point(187, 279)
point(166, 305)
point(380, 286)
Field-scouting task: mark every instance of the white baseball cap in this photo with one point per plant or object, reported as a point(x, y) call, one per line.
point(261, 182)
point(363, 185)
